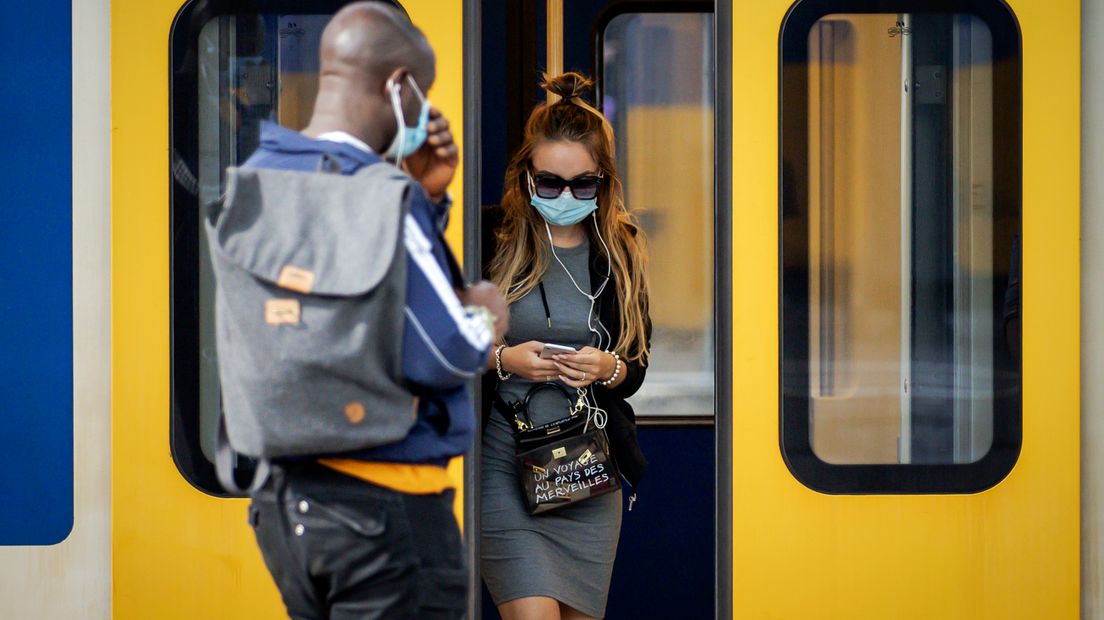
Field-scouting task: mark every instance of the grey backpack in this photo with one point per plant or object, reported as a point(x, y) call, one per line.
point(310, 275)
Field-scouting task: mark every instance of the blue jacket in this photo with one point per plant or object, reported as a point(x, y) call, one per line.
point(444, 347)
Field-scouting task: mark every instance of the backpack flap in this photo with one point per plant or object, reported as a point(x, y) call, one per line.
point(310, 281)
point(296, 229)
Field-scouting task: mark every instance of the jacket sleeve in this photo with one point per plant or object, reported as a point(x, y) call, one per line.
point(444, 346)
point(634, 371)
point(622, 420)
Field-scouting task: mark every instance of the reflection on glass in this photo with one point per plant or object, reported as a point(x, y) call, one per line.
point(905, 279)
point(254, 68)
point(657, 90)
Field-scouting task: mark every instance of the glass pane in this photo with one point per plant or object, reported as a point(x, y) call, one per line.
point(905, 275)
point(251, 68)
point(657, 90)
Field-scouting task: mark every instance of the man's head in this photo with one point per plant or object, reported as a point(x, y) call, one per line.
point(366, 48)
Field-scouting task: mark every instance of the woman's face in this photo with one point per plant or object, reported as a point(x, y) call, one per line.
point(564, 159)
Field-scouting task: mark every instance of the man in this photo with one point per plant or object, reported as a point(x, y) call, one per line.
point(372, 534)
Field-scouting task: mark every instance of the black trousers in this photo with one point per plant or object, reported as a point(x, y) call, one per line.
point(340, 548)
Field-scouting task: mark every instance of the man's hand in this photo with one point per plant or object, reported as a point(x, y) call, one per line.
point(434, 164)
point(485, 294)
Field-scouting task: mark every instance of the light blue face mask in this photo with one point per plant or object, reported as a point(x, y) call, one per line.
point(563, 210)
point(407, 139)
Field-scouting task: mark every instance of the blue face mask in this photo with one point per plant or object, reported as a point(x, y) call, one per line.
point(407, 139)
point(563, 210)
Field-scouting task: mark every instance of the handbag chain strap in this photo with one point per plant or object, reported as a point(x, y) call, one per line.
point(516, 410)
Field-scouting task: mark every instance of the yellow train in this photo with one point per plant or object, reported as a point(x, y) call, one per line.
point(877, 248)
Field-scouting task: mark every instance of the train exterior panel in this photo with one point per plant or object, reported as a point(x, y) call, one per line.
point(798, 553)
point(56, 144)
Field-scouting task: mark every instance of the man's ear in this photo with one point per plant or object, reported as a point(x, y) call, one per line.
point(395, 77)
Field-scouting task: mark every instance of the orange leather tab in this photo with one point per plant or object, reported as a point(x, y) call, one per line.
point(282, 312)
point(296, 279)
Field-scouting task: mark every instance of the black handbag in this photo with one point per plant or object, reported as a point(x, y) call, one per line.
point(561, 462)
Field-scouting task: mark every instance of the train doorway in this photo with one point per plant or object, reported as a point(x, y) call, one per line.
point(655, 69)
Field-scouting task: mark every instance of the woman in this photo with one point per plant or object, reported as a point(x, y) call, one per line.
point(570, 262)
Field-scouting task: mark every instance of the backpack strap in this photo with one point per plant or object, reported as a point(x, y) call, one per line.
point(224, 465)
point(213, 210)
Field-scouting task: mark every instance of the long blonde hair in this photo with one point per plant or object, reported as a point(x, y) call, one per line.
point(521, 260)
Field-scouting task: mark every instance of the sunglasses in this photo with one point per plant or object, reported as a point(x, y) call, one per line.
point(551, 186)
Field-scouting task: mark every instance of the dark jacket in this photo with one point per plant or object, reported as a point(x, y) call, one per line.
point(621, 426)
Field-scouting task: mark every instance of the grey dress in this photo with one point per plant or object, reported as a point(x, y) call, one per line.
point(568, 553)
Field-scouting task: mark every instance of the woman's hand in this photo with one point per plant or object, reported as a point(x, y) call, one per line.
point(524, 360)
point(585, 366)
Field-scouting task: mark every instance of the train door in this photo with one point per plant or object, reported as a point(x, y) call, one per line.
point(653, 63)
point(233, 71)
point(248, 69)
point(905, 441)
point(180, 547)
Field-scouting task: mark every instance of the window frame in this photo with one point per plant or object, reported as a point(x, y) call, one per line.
point(794, 401)
point(184, 229)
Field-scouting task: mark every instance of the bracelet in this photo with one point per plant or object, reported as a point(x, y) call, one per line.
point(616, 370)
point(502, 376)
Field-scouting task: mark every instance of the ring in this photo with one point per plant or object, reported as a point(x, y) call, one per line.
point(583, 378)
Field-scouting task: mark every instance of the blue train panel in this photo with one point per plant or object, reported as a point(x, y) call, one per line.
point(36, 277)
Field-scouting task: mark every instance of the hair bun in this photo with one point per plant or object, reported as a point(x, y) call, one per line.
point(570, 85)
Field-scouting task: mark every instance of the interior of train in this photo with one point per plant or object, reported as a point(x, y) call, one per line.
point(654, 68)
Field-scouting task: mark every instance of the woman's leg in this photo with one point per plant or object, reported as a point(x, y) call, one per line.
point(570, 613)
point(530, 608)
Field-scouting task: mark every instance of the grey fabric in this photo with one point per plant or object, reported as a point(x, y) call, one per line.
point(330, 379)
point(566, 554)
point(343, 229)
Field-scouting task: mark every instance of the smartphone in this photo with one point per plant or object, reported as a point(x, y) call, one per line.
point(552, 349)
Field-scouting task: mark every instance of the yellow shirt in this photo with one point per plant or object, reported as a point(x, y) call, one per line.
point(413, 479)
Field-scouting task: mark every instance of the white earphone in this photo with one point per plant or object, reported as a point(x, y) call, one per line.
point(595, 414)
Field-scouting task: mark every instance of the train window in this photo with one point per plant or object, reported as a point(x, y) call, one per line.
point(900, 219)
point(657, 91)
point(230, 71)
